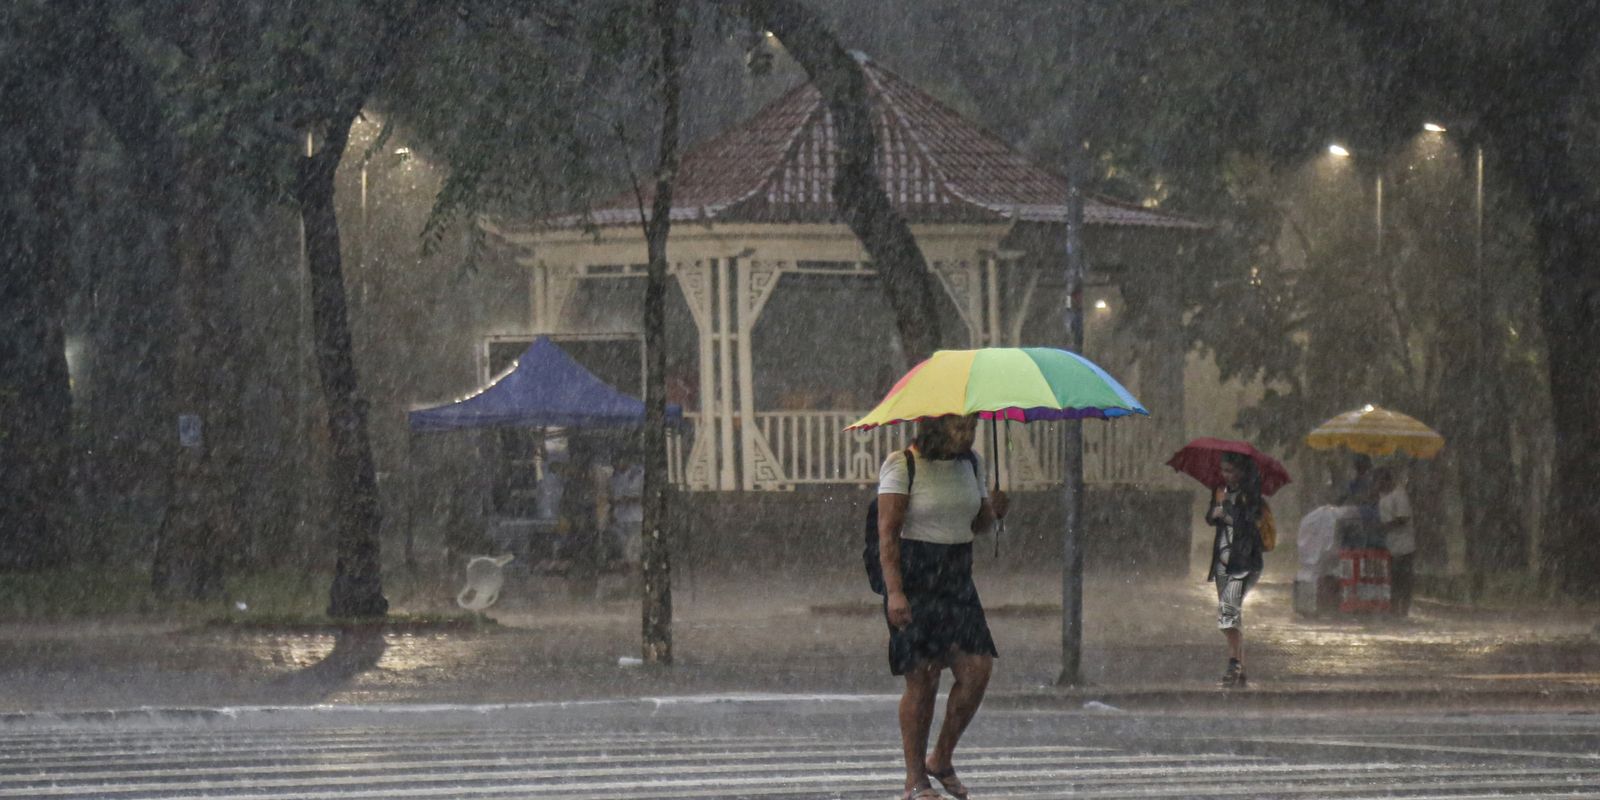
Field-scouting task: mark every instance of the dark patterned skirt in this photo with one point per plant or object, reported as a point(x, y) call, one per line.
point(946, 615)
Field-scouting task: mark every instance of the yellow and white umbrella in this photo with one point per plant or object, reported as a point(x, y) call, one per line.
point(1377, 432)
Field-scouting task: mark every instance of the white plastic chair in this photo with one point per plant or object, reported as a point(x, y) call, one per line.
point(485, 576)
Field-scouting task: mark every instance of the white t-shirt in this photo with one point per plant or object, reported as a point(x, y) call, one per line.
point(1395, 505)
point(945, 497)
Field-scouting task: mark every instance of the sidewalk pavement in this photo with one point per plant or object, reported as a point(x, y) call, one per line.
point(1147, 645)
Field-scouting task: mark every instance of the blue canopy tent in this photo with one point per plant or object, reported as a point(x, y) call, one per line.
point(545, 388)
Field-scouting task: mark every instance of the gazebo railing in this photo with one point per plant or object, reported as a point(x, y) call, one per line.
point(1123, 451)
point(812, 448)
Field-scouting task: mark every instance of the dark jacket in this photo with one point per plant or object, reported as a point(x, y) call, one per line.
point(1245, 553)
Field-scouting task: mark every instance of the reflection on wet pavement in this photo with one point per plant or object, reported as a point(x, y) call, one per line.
point(764, 636)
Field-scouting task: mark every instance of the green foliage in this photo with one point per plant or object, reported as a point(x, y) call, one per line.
point(76, 592)
point(537, 109)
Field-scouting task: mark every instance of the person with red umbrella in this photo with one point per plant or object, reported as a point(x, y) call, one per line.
point(1239, 476)
point(1235, 512)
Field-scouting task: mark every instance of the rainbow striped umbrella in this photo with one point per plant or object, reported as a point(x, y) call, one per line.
point(1009, 383)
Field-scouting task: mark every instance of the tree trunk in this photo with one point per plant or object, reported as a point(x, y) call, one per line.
point(35, 392)
point(193, 543)
point(656, 558)
point(861, 199)
point(357, 589)
point(1567, 229)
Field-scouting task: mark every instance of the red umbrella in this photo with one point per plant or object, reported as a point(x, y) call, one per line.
point(1201, 459)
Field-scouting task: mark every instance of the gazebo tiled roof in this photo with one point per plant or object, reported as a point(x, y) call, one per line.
point(938, 167)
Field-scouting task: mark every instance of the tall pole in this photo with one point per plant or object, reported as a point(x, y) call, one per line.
point(303, 368)
point(1484, 388)
point(1072, 319)
point(1377, 213)
point(1477, 209)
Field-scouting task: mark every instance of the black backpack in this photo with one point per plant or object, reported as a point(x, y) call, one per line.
point(869, 547)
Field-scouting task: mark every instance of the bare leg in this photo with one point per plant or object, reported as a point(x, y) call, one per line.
point(966, 694)
point(1235, 639)
point(916, 719)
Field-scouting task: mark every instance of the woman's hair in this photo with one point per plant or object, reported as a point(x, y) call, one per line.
point(932, 441)
point(1250, 483)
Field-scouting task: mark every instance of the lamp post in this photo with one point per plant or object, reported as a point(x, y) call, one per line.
point(1072, 321)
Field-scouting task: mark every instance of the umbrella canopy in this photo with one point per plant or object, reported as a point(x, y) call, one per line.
point(1012, 383)
point(1377, 432)
point(1201, 459)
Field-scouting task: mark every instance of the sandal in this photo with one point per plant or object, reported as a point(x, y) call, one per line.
point(1234, 678)
point(922, 793)
point(950, 782)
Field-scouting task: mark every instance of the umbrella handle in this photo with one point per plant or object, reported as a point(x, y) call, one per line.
point(994, 449)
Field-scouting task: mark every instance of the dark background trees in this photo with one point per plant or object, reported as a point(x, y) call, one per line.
point(155, 218)
point(1222, 109)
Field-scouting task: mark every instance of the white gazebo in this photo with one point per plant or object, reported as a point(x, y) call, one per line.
point(753, 215)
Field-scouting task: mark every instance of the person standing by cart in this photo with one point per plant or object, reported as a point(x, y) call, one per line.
point(1394, 512)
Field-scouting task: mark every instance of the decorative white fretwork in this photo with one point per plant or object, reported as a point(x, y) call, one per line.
point(700, 472)
point(766, 472)
point(960, 281)
point(762, 277)
point(695, 281)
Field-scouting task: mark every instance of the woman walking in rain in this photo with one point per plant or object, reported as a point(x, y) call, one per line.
point(1236, 561)
point(931, 503)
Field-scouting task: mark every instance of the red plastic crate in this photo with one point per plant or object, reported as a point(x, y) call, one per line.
point(1363, 581)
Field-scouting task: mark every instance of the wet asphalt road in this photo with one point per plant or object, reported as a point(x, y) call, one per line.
point(1138, 637)
point(817, 747)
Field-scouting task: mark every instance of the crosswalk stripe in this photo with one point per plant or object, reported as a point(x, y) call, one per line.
point(1384, 743)
point(862, 758)
point(85, 742)
point(421, 763)
point(1212, 777)
point(377, 749)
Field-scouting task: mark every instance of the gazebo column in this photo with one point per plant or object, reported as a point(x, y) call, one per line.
point(759, 469)
point(727, 478)
point(695, 280)
point(961, 281)
point(553, 285)
point(991, 276)
point(1005, 311)
point(1023, 305)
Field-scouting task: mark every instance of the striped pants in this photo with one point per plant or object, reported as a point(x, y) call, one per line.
point(1230, 598)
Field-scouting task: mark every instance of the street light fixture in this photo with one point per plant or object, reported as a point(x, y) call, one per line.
point(1433, 127)
point(1338, 150)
